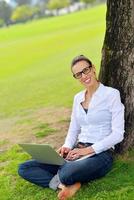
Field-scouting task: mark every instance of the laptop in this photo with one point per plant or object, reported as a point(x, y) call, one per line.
point(44, 153)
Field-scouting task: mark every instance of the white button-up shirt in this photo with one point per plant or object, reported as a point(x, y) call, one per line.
point(102, 125)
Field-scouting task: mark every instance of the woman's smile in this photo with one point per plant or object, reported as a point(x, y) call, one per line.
point(87, 81)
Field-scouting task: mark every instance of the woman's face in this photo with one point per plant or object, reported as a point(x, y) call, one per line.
point(87, 79)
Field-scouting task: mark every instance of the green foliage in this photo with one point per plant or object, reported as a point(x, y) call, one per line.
point(5, 12)
point(88, 1)
point(57, 4)
point(1, 22)
point(35, 10)
point(22, 13)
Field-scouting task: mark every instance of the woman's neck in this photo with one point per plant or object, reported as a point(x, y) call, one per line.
point(90, 90)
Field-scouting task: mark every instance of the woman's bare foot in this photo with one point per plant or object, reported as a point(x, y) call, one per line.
point(68, 191)
point(61, 186)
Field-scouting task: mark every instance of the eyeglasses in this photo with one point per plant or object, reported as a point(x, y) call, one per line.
point(85, 71)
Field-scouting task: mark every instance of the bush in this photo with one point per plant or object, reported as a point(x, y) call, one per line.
point(22, 13)
point(1, 22)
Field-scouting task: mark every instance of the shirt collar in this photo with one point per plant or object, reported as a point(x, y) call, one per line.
point(97, 93)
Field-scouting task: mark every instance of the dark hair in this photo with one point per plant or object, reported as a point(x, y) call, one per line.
point(80, 58)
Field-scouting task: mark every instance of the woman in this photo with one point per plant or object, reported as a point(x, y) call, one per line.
point(97, 124)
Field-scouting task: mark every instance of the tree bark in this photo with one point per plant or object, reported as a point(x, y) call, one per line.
point(117, 64)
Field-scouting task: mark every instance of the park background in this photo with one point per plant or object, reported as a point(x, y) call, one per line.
point(36, 95)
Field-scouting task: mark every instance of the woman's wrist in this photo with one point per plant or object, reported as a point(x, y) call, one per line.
point(90, 150)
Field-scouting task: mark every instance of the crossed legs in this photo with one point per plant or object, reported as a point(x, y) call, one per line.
point(71, 174)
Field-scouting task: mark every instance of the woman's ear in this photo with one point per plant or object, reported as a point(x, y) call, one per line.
point(94, 69)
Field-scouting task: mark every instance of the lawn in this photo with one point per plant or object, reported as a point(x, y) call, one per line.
point(35, 59)
point(36, 93)
point(117, 185)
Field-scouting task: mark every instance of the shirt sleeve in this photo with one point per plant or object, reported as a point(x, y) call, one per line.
point(117, 124)
point(74, 128)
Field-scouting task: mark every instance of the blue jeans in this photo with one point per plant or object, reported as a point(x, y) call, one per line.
point(71, 172)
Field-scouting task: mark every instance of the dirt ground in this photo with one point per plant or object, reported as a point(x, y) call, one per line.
point(24, 128)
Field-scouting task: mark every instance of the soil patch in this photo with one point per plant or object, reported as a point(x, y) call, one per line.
point(23, 129)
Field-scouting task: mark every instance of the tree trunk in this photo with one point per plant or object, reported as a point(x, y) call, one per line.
point(117, 65)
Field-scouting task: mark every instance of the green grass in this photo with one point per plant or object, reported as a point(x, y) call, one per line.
point(35, 59)
point(35, 73)
point(44, 130)
point(67, 120)
point(2, 142)
point(116, 185)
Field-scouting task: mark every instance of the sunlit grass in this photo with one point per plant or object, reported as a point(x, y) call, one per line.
point(35, 59)
point(35, 72)
point(116, 185)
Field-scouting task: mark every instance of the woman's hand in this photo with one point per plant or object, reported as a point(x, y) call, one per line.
point(78, 152)
point(63, 151)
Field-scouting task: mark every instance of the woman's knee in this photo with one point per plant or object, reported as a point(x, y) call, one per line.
point(25, 167)
point(66, 178)
point(67, 175)
point(21, 170)
point(84, 171)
